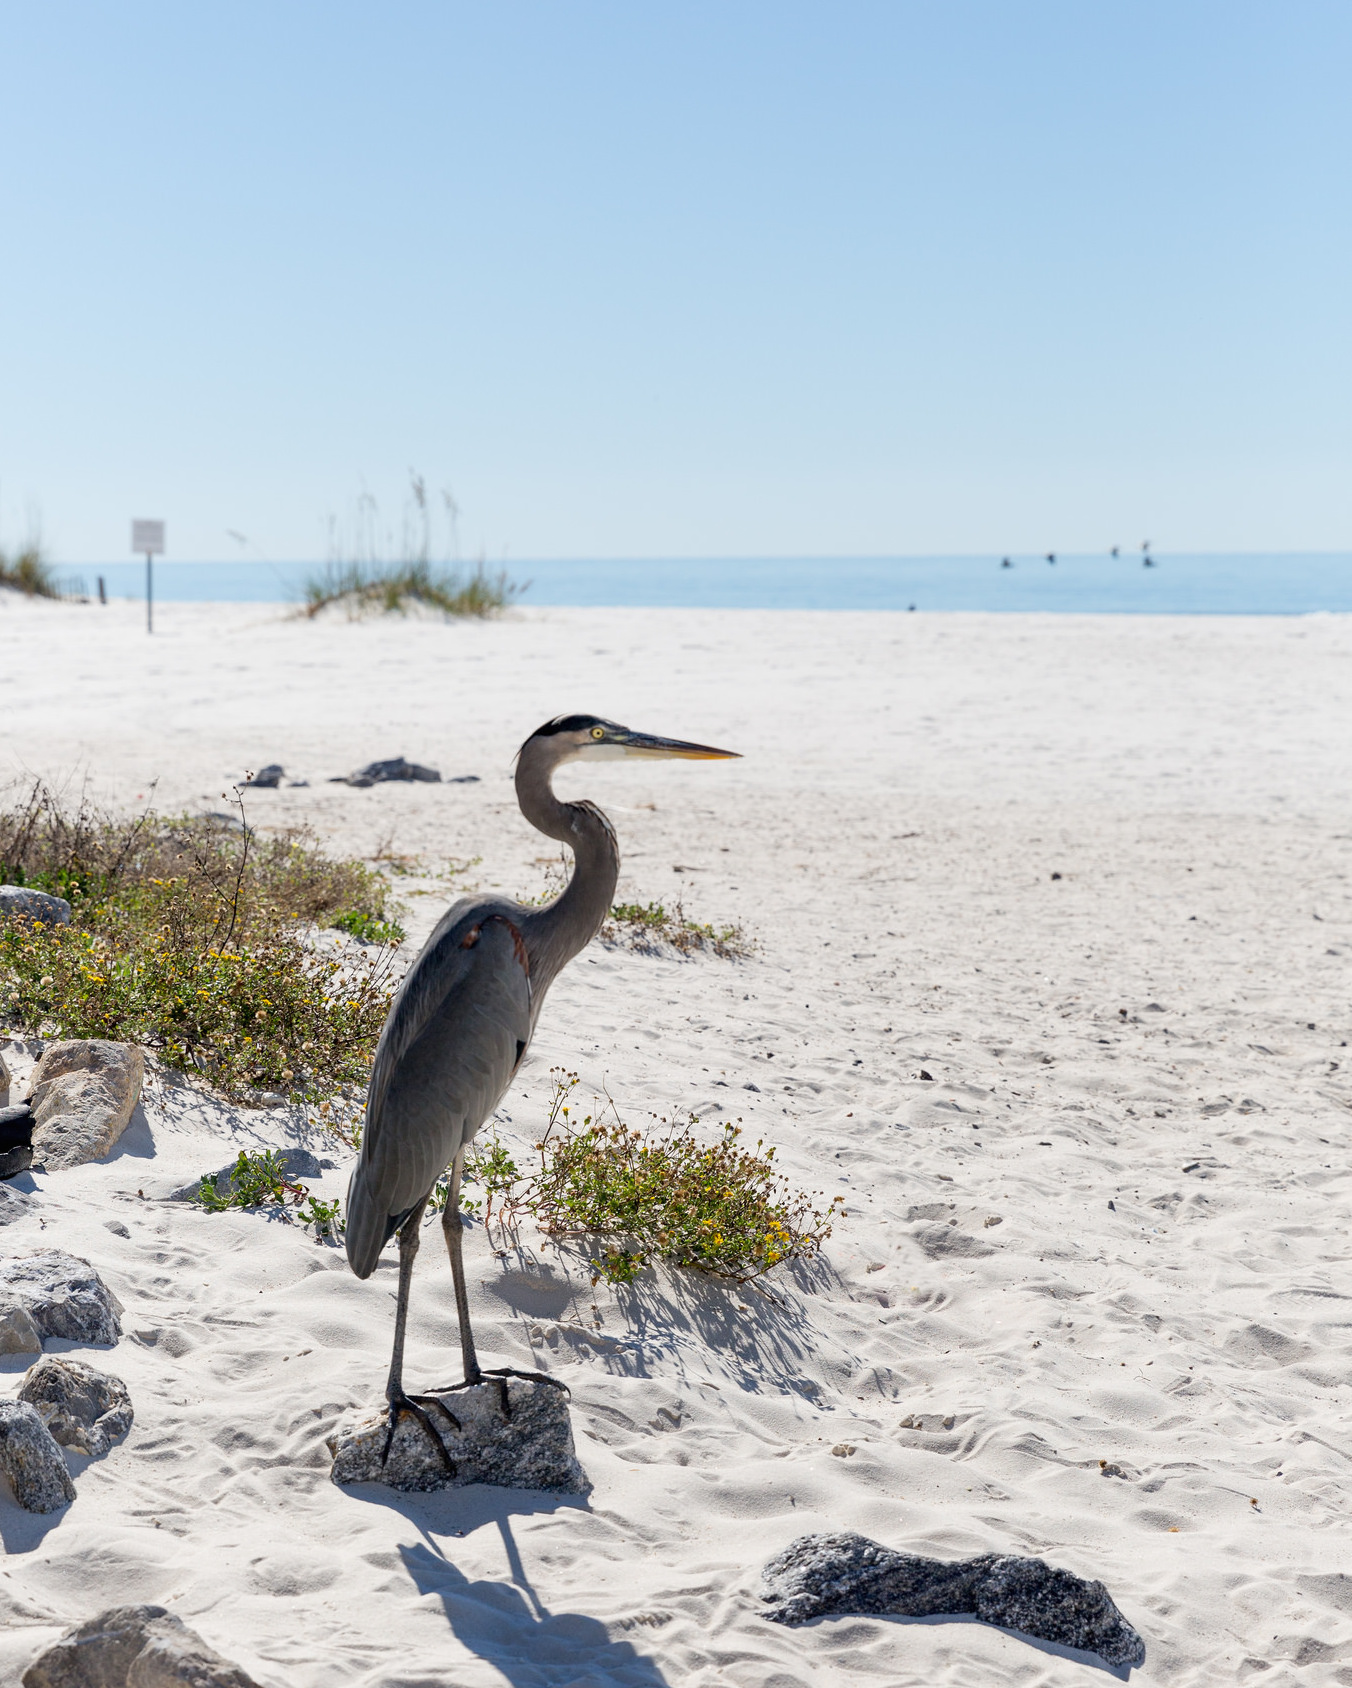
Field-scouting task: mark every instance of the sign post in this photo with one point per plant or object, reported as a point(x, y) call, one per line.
point(148, 537)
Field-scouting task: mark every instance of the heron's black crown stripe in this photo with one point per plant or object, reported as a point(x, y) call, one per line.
point(568, 724)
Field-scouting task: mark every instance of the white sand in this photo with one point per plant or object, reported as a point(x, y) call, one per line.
point(1172, 1185)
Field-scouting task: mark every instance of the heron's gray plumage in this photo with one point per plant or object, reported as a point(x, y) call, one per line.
point(455, 1035)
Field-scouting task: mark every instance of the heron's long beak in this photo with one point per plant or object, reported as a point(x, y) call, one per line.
point(647, 744)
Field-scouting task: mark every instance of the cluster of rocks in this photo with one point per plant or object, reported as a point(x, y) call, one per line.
point(374, 773)
point(82, 1097)
point(61, 1403)
point(847, 1574)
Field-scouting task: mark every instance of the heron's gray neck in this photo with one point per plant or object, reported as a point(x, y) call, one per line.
point(569, 923)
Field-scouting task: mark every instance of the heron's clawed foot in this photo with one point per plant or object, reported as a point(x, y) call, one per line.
point(500, 1375)
point(416, 1406)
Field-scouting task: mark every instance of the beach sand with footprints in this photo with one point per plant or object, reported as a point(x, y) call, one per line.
point(1052, 927)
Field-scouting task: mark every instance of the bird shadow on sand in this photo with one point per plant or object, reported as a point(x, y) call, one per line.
point(508, 1626)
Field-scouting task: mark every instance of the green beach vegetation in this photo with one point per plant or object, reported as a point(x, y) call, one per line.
point(198, 938)
point(703, 1202)
point(29, 571)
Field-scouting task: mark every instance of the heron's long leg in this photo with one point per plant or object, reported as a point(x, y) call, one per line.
point(399, 1402)
point(451, 1225)
point(474, 1372)
point(408, 1250)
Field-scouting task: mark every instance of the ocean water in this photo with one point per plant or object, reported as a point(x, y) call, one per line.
point(1251, 584)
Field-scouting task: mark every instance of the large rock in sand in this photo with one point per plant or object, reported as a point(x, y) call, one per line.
point(83, 1095)
point(514, 1432)
point(40, 906)
point(62, 1296)
point(83, 1408)
point(830, 1575)
point(133, 1647)
point(30, 1458)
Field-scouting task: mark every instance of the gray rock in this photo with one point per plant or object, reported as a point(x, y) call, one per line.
point(269, 778)
point(528, 1447)
point(30, 1458)
point(828, 1575)
point(64, 1296)
point(18, 1333)
point(84, 1409)
point(133, 1647)
point(83, 1095)
point(395, 768)
point(12, 1162)
point(16, 1140)
point(16, 901)
point(13, 1204)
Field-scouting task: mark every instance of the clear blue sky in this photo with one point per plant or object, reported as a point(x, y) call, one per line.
point(690, 278)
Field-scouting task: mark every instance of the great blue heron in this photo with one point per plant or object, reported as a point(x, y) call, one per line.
point(461, 1022)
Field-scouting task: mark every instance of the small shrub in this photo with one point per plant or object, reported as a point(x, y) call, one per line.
point(28, 571)
point(661, 1194)
point(256, 1180)
point(641, 925)
point(368, 928)
point(259, 1180)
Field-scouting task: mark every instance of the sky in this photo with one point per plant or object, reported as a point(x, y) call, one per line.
point(709, 278)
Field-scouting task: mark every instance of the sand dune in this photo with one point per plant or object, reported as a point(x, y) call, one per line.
point(1130, 1156)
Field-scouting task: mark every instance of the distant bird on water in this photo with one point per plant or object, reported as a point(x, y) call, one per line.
point(1005, 563)
point(461, 1022)
point(1051, 556)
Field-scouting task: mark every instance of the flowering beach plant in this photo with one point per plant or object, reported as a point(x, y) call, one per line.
point(633, 1197)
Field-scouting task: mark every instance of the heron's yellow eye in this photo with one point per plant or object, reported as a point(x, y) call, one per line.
point(598, 732)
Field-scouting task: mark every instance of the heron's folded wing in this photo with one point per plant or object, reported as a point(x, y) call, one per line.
point(455, 1036)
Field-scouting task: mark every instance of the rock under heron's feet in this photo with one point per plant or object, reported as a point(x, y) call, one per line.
point(529, 1446)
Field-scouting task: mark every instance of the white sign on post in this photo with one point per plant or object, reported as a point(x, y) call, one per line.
point(147, 538)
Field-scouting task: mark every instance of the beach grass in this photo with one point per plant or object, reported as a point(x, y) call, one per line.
point(195, 938)
point(649, 925)
point(374, 570)
point(28, 571)
point(394, 588)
